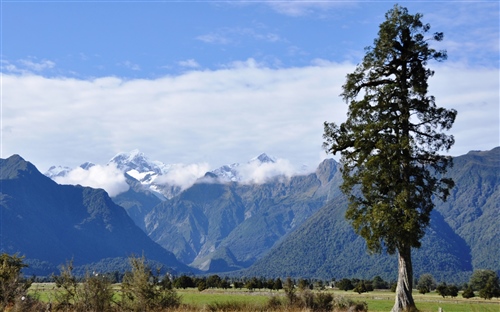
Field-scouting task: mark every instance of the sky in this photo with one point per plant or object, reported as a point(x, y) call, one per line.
point(217, 82)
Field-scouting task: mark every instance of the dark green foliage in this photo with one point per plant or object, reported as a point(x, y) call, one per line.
point(390, 142)
point(442, 290)
point(468, 293)
point(487, 282)
point(201, 285)
point(12, 283)
point(238, 285)
point(184, 282)
point(452, 291)
point(213, 281)
point(391, 137)
point(344, 284)
point(480, 278)
point(426, 283)
point(277, 284)
point(379, 283)
point(361, 287)
point(253, 283)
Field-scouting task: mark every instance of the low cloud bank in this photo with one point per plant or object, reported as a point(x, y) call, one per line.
point(109, 178)
point(182, 175)
point(255, 172)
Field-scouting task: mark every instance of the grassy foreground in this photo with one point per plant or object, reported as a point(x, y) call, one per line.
point(193, 300)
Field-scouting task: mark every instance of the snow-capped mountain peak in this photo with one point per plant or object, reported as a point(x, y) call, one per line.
point(57, 171)
point(228, 172)
point(87, 165)
point(263, 158)
point(233, 172)
point(135, 160)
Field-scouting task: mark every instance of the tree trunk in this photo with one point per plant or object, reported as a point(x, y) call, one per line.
point(404, 299)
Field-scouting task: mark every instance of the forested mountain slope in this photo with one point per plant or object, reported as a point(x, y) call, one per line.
point(233, 224)
point(463, 234)
point(57, 223)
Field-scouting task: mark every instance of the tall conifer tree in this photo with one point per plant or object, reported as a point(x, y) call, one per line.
point(390, 143)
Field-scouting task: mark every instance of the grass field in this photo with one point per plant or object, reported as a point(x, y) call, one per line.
point(376, 300)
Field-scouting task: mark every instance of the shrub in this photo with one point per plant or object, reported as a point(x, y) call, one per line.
point(12, 283)
point(143, 291)
point(230, 306)
point(323, 302)
point(274, 303)
point(94, 294)
point(343, 304)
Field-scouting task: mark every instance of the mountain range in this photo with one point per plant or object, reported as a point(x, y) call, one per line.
point(285, 225)
point(57, 223)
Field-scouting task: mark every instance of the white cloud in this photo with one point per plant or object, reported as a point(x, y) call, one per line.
point(183, 175)
point(255, 172)
point(108, 178)
point(217, 117)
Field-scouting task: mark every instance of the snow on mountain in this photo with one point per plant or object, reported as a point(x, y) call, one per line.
point(57, 171)
point(135, 160)
point(263, 159)
point(87, 165)
point(257, 170)
point(228, 173)
point(170, 179)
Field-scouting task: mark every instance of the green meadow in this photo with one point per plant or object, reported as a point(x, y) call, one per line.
point(257, 300)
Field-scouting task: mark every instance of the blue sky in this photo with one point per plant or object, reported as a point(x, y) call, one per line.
point(217, 82)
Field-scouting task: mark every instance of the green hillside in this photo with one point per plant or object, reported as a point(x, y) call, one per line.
point(463, 234)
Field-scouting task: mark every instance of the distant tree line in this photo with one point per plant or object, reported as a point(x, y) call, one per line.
point(145, 288)
point(485, 282)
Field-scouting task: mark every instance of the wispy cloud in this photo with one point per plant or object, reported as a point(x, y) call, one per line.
point(214, 38)
point(27, 66)
point(297, 8)
point(236, 35)
point(191, 63)
point(37, 66)
point(130, 65)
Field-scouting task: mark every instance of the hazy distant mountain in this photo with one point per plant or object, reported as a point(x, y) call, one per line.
point(236, 223)
point(277, 223)
point(56, 223)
